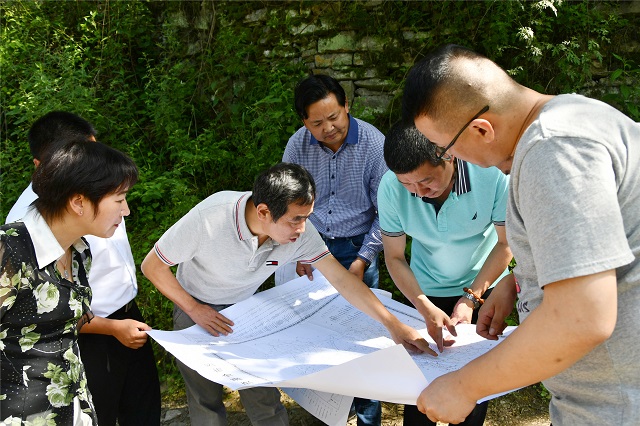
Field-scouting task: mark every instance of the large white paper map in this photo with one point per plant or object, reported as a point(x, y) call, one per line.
point(305, 335)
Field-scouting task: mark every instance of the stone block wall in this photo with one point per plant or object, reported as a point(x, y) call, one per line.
point(340, 53)
point(359, 62)
point(370, 68)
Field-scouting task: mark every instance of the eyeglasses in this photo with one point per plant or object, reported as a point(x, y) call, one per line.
point(442, 152)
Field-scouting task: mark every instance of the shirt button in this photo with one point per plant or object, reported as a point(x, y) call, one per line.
point(333, 193)
point(329, 211)
point(333, 176)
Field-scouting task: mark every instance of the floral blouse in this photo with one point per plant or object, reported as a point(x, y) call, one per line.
point(41, 368)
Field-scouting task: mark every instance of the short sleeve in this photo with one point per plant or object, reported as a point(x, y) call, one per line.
point(499, 213)
point(389, 219)
point(181, 242)
point(312, 247)
point(567, 199)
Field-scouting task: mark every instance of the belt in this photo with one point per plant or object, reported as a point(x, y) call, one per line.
point(326, 237)
point(127, 306)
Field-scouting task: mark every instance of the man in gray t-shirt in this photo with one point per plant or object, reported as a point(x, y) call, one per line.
point(225, 248)
point(573, 225)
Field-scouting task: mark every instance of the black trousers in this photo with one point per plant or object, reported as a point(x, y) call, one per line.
point(123, 382)
point(413, 417)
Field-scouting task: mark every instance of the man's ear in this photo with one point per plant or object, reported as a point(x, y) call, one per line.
point(346, 104)
point(483, 129)
point(36, 162)
point(263, 212)
point(77, 204)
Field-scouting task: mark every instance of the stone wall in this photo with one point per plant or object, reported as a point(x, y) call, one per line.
point(370, 68)
point(339, 52)
point(342, 54)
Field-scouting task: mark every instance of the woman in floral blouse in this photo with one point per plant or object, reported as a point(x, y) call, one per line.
point(44, 292)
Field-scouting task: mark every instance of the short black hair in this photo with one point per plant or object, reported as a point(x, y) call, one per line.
point(315, 88)
point(55, 128)
point(281, 185)
point(406, 149)
point(427, 77)
point(90, 169)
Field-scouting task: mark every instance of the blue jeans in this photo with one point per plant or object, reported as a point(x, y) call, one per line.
point(369, 411)
point(345, 250)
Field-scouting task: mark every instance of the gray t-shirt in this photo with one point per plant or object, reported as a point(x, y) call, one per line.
point(218, 256)
point(574, 210)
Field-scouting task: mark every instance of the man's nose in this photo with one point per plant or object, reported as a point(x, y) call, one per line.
point(420, 190)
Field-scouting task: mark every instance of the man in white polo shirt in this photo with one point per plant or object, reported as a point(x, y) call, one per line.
point(226, 247)
point(116, 352)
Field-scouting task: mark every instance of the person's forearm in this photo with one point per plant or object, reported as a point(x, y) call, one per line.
point(99, 325)
point(405, 280)
point(494, 265)
point(360, 296)
point(372, 243)
point(163, 279)
point(354, 290)
point(575, 316)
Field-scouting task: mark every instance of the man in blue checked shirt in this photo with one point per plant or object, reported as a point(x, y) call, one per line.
point(345, 157)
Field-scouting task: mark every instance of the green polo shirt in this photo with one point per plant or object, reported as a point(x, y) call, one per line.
point(448, 248)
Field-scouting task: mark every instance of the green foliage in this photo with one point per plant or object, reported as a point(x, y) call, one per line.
point(627, 79)
point(544, 393)
point(201, 98)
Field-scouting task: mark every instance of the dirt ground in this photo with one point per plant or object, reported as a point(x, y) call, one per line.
point(525, 407)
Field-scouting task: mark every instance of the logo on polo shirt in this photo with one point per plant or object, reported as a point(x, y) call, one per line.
point(271, 263)
point(475, 216)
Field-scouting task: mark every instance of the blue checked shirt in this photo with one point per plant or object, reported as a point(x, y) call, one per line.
point(347, 182)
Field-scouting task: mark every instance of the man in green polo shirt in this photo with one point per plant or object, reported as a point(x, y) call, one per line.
point(455, 212)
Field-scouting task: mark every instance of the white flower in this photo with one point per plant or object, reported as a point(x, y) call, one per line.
point(58, 394)
point(47, 297)
point(6, 288)
point(25, 379)
point(535, 51)
point(2, 336)
point(75, 304)
point(548, 4)
point(12, 421)
point(49, 420)
point(525, 33)
point(75, 366)
point(58, 390)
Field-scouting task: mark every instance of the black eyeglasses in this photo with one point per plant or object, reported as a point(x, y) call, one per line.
point(442, 152)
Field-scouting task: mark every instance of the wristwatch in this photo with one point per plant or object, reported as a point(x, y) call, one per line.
point(476, 304)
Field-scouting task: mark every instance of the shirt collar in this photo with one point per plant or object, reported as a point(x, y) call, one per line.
point(47, 248)
point(352, 133)
point(462, 184)
point(241, 222)
point(244, 233)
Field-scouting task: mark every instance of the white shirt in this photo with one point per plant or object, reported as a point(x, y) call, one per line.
point(47, 248)
point(113, 272)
